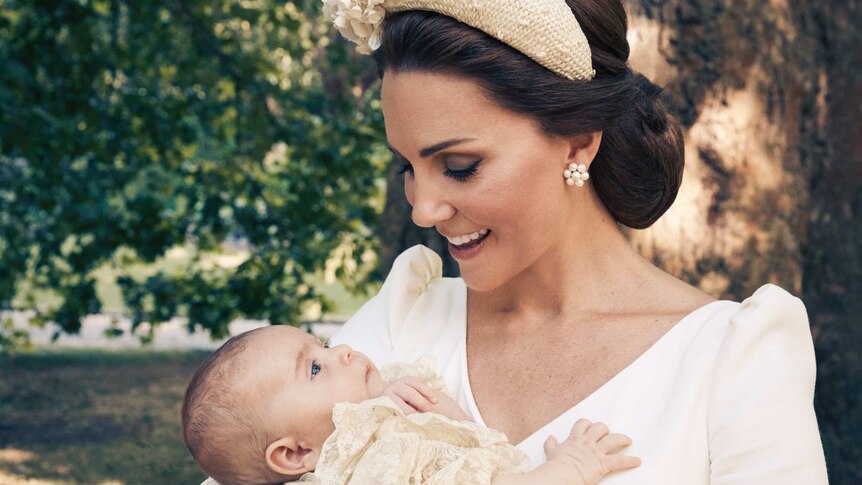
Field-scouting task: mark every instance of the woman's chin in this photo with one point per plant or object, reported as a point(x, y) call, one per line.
point(479, 280)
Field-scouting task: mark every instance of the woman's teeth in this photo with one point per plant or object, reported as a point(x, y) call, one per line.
point(460, 240)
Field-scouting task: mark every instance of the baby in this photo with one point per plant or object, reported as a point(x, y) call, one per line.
point(274, 405)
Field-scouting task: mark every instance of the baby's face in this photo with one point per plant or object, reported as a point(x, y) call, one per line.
point(304, 380)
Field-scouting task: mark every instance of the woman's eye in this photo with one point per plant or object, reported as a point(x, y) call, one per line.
point(315, 369)
point(405, 168)
point(462, 175)
point(459, 175)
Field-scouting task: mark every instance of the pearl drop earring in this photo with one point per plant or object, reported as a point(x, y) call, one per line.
point(576, 174)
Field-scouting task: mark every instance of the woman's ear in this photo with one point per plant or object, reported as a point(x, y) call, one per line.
point(583, 148)
point(287, 457)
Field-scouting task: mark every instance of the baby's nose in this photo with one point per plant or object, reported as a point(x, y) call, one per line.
point(345, 353)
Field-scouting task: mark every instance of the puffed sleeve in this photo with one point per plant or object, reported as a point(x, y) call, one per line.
point(761, 422)
point(376, 326)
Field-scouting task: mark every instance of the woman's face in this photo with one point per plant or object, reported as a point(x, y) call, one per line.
point(476, 170)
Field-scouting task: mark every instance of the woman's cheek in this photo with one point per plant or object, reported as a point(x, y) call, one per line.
point(408, 188)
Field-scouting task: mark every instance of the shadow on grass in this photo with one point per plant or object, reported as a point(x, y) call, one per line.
point(91, 417)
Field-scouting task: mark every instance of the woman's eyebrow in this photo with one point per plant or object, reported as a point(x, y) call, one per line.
point(431, 150)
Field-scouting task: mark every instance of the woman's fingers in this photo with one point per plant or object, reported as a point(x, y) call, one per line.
point(621, 462)
point(614, 442)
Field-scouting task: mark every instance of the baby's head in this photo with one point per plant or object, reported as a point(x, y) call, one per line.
point(259, 409)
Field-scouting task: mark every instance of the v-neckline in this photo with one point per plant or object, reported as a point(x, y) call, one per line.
point(474, 408)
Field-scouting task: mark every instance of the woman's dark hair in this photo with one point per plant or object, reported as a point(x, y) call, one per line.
point(638, 168)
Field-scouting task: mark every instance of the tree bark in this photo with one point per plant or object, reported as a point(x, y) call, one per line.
point(832, 256)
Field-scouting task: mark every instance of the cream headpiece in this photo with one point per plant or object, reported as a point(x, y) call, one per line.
point(544, 30)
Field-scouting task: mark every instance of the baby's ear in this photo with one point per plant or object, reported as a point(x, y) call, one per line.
point(287, 457)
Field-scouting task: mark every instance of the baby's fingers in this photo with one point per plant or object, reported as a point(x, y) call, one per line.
point(401, 404)
point(423, 389)
point(550, 444)
point(621, 462)
point(597, 431)
point(412, 397)
point(580, 427)
point(614, 442)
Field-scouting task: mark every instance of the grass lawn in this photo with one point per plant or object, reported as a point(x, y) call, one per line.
point(94, 417)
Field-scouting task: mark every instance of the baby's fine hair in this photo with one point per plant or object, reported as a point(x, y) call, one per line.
point(223, 433)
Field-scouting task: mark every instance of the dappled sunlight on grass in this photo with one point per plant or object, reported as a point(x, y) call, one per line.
point(86, 417)
point(13, 455)
point(8, 479)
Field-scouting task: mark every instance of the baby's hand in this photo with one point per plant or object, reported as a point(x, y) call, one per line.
point(587, 453)
point(447, 406)
point(411, 395)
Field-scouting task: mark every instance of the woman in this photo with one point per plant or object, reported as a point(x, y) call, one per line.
point(527, 143)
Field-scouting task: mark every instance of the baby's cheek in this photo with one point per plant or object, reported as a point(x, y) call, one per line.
point(323, 429)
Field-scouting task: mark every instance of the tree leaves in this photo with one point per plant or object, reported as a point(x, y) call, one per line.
point(135, 127)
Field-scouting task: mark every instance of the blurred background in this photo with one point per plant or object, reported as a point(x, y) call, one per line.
point(174, 172)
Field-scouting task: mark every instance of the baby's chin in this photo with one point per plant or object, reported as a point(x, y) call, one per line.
point(375, 383)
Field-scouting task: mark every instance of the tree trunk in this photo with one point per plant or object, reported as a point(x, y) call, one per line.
point(832, 257)
point(770, 98)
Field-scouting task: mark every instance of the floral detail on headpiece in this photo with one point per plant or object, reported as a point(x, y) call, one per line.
point(357, 20)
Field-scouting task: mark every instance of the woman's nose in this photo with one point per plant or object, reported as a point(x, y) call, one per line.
point(430, 206)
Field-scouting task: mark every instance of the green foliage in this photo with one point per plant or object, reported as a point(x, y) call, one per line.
point(128, 128)
point(11, 338)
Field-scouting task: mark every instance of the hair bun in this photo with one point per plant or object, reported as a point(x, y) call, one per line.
point(648, 106)
point(639, 172)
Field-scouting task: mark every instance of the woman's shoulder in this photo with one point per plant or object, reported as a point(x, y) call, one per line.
point(762, 341)
point(720, 336)
point(769, 309)
point(770, 314)
point(761, 393)
point(771, 323)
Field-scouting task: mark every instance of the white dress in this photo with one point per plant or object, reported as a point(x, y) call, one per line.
point(725, 397)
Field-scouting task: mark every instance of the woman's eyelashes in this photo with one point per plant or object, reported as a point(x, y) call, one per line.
point(459, 175)
point(463, 174)
point(405, 168)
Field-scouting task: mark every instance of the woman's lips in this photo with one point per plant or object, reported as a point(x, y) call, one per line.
point(468, 250)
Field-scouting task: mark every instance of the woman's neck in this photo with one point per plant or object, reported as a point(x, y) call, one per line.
point(591, 268)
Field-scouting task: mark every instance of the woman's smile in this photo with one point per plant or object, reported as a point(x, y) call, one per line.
point(468, 249)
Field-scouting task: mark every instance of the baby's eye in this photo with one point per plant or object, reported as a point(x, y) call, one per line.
point(315, 369)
